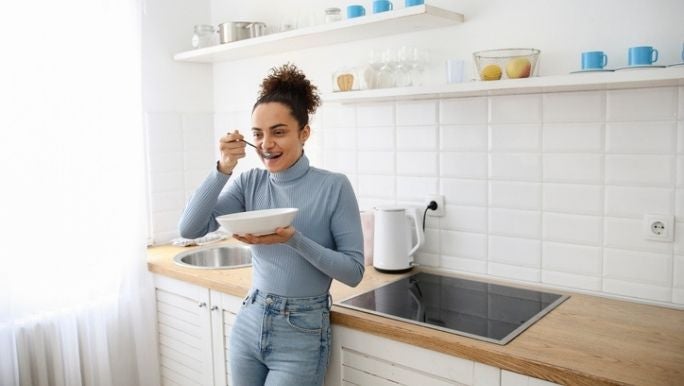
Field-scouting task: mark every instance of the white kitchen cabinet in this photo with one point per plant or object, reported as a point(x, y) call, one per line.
point(360, 358)
point(194, 326)
point(409, 19)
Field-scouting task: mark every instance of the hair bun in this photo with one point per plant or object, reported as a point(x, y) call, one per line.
point(288, 82)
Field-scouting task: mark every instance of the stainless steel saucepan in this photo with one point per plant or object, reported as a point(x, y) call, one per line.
point(238, 30)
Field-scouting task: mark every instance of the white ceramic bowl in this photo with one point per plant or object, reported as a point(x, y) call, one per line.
point(257, 222)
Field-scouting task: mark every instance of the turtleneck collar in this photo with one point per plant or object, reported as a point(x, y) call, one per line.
point(299, 169)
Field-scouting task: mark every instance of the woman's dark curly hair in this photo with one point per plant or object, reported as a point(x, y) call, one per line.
point(288, 85)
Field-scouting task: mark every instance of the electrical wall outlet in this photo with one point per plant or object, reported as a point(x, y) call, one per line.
point(441, 209)
point(659, 227)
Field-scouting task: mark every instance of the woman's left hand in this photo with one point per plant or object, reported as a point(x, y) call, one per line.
point(281, 236)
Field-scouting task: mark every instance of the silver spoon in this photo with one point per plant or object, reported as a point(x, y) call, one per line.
point(265, 154)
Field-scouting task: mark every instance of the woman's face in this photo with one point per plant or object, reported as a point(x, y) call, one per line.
point(277, 132)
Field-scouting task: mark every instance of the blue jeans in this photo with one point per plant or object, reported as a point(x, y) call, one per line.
point(280, 341)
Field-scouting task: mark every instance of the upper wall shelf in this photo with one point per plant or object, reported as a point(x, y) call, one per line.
point(409, 19)
point(671, 76)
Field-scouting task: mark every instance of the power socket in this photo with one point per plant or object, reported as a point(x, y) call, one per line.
point(441, 209)
point(659, 227)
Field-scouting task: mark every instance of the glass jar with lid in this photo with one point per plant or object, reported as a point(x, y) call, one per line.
point(203, 36)
point(333, 15)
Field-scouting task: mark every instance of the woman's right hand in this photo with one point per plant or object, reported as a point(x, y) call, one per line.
point(232, 149)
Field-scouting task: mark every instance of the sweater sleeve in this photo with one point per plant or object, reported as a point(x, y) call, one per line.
point(209, 202)
point(345, 263)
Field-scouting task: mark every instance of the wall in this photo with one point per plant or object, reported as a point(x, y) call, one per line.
point(178, 104)
point(545, 188)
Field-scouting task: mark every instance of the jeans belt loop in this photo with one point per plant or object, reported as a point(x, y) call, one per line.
point(330, 302)
point(253, 296)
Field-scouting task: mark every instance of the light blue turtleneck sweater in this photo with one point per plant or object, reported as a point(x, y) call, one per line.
point(327, 244)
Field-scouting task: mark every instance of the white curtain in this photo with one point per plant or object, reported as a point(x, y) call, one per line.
point(76, 301)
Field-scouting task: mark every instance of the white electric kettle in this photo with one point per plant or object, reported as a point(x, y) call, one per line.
point(392, 245)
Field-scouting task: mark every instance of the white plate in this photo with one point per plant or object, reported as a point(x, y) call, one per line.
point(592, 70)
point(638, 67)
point(676, 64)
point(257, 222)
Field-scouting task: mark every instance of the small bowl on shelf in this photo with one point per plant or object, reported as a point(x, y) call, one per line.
point(506, 63)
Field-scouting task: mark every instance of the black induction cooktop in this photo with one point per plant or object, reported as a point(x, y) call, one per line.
point(490, 312)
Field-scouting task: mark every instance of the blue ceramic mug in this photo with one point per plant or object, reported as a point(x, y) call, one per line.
point(594, 60)
point(642, 56)
point(411, 3)
point(355, 11)
point(382, 6)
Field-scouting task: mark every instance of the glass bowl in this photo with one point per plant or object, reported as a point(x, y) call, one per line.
point(506, 63)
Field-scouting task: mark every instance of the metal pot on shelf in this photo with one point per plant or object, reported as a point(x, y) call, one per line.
point(232, 31)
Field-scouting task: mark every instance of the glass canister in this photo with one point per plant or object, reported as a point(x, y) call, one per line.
point(332, 15)
point(203, 36)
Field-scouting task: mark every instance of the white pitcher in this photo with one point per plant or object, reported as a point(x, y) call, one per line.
point(392, 249)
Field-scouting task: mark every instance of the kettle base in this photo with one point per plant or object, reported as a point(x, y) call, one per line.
point(403, 270)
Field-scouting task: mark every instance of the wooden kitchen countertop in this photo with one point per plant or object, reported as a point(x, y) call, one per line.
point(587, 340)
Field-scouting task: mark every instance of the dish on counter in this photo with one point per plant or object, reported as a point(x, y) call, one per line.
point(676, 64)
point(257, 222)
point(592, 70)
point(639, 67)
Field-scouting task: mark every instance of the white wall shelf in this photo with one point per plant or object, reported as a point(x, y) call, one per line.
point(670, 76)
point(410, 19)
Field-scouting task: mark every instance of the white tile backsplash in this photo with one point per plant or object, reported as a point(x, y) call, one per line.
point(563, 279)
point(628, 234)
point(513, 222)
point(573, 198)
point(573, 228)
point(587, 106)
point(417, 138)
point(572, 137)
point(465, 218)
point(417, 163)
point(464, 245)
point(463, 111)
point(623, 201)
point(416, 113)
point(377, 186)
point(515, 109)
point(572, 258)
point(464, 192)
point(376, 162)
point(374, 138)
point(340, 116)
point(578, 168)
point(514, 138)
point(515, 195)
point(646, 268)
point(463, 165)
point(371, 115)
point(416, 188)
point(519, 167)
point(549, 187)
point(641, 137)
point(649, 170)
point(649, 104)
point(515, 251)
point(463, 138)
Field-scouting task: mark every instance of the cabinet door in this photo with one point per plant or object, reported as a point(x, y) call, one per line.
point(366, 359)
point(224, 308)
point(184, 328)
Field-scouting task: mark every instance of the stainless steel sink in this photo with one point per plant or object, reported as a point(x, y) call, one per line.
point(216, 257)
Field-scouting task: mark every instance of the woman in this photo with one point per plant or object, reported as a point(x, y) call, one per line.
point(282, 333)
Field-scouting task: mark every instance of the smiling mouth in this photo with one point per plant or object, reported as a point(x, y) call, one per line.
point(269, 156)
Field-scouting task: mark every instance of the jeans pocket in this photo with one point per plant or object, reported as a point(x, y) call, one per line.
point(310, 322)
